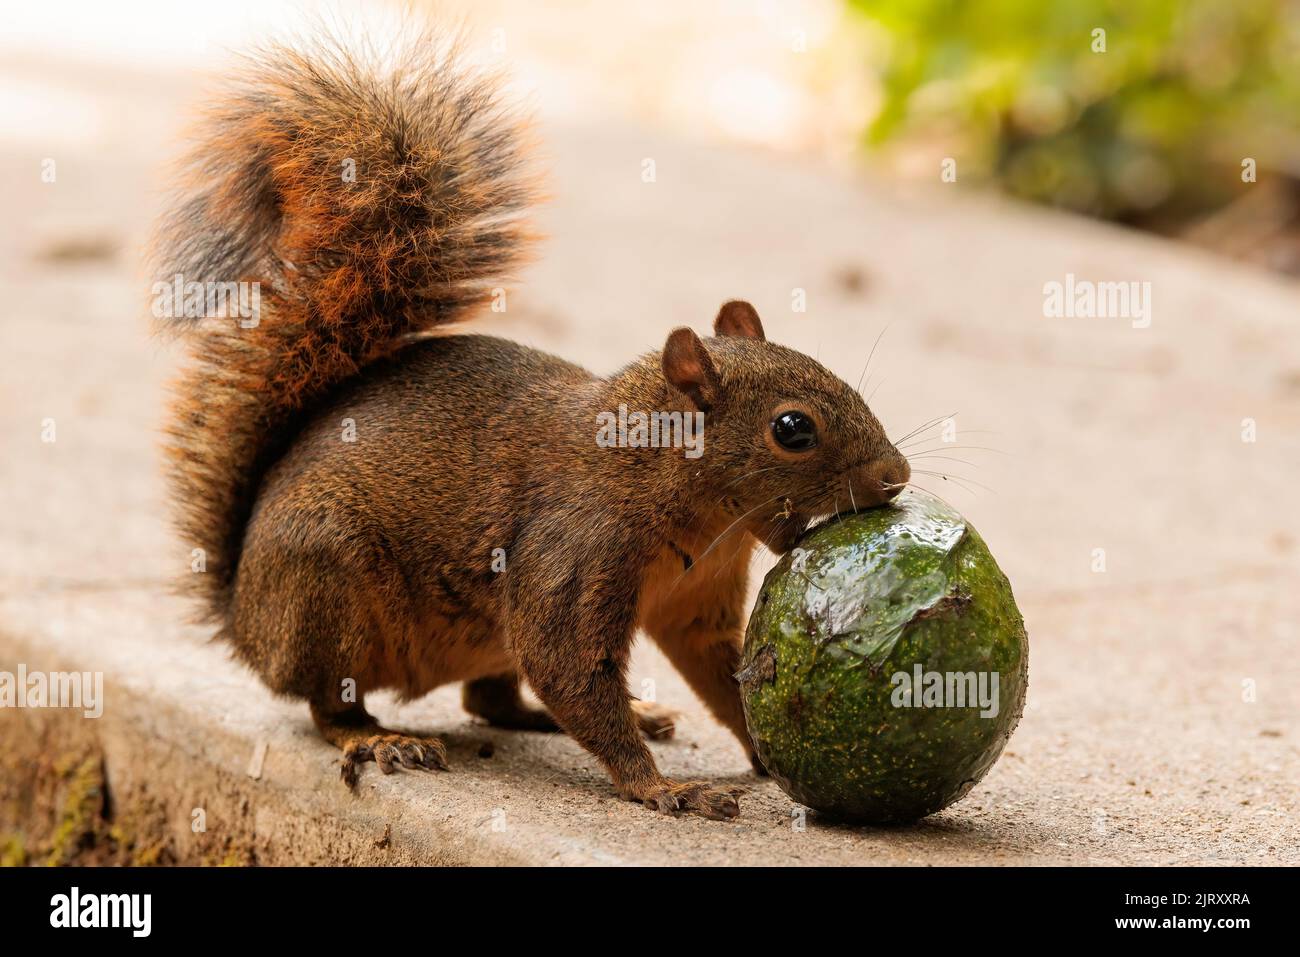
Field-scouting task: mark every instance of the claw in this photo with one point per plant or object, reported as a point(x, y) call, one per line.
point(389, 750)
point(715, 803)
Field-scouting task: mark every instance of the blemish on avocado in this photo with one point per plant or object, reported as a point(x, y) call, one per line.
point(951, 604)
point(761, 669)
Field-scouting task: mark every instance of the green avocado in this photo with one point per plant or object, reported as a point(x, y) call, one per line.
point(885, 664)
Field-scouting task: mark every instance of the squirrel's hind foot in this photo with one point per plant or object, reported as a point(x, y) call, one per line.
point(695, 797)
point(361, 739)
point(388, 749)
point(655, 721)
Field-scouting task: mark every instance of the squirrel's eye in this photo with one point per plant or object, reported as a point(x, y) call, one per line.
point(794, 431)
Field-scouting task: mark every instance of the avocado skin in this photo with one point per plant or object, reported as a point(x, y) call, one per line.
point(856, 601)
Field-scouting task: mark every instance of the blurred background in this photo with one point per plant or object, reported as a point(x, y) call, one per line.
point(1141, 112)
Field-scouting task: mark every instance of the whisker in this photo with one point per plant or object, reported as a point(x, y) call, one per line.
point(714, 544)
point(696, 560)
point(958, 479)
point(953, 448)
point(769, 468)
point(939, 497)
point(923, 426)
point(915, 434)
point(948, 478)
point(755, 555)
point(950, 458)
point(922, 438)
point(869, 355)
point(963, 430)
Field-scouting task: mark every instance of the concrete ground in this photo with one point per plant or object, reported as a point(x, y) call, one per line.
point(1161, 725)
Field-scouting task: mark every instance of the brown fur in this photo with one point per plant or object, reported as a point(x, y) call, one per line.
point(347, 269)
point(370, 563)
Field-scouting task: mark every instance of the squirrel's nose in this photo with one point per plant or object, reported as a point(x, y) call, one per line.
point(880, 481)
point(895, 476)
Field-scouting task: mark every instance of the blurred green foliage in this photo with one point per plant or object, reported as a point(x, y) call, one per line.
point(1153, 130)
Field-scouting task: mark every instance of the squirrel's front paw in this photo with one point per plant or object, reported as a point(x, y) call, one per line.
point(695, 797)
point(389, 750)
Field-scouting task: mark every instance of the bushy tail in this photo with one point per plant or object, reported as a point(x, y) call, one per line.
point(369, 196)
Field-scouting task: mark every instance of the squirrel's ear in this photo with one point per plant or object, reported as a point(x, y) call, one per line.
point(687, 367)
point(738, 318)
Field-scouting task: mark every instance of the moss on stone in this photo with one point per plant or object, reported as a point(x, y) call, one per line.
point(81, 813)
point(13, 850)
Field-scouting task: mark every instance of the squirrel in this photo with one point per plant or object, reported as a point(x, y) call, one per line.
point(473, 529)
